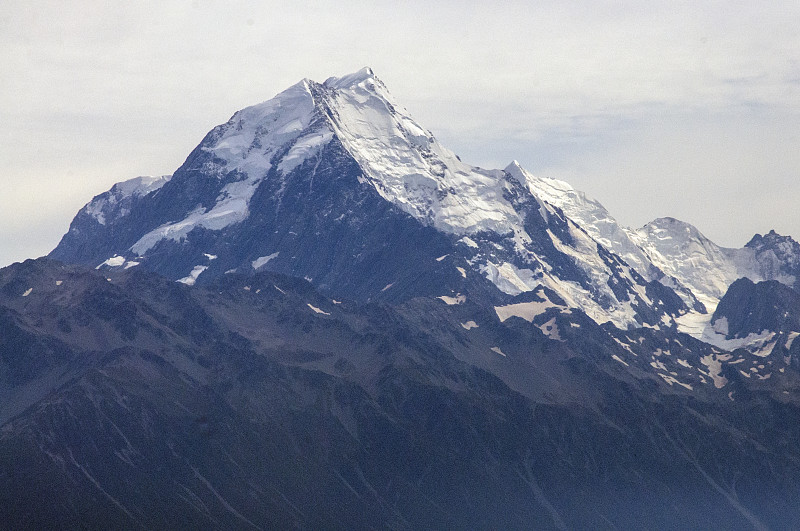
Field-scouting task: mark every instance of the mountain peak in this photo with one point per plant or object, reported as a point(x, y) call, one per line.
point(350, 80)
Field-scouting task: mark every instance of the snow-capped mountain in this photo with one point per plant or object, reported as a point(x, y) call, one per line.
point(326, 306)
point(335, 182)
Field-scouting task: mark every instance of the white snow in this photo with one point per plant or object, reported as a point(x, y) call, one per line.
point(247, 143)
point(509, 278)
point(469, 325)
point(317, 310)
point(524, 310)
point(104, 204)
point(550, 329)
point(27, 292)
point(672, 380)
point(408, 166)
point(462, 271)
point(114, 261)
point(450, 301)
point(442, 258)
point(59, 282)
point(190, 279)
point(309, 146)
point(617, 358)
point(210, 256)
point(497, 350)
point(469, 242)
point(387, 286)
point(262, 260)
point(790, 339)
point(131, 264)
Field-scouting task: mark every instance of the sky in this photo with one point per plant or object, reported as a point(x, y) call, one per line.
point(681, 109)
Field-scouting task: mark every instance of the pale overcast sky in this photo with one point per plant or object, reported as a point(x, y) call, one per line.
point(682, 109)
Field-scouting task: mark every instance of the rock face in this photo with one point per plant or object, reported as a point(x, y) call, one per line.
point(255, 401)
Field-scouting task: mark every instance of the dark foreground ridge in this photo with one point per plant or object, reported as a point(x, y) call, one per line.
point(131, 401)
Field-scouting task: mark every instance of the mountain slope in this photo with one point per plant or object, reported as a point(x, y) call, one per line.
point(258, 402)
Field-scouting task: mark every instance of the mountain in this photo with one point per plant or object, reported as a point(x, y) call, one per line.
point(335, 182)
point(324, 318)
point(255, 401)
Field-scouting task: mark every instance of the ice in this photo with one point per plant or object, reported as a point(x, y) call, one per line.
point(262, 260)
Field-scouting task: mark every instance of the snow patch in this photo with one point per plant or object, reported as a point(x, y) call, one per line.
point(114, 261)
point(509, 278)
point(469, 325)
point(714, 369)
point(672, 380)
point(524, 310)
point(192, 277)
point(550, 329)
point(27, 292)
point(262, 260)
point(497, 350)
point(450, 301)
point(469, 242)
point(317, 310)
point(790, 339)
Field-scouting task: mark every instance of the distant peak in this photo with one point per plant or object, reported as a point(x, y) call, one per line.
point(771, 238)
point(350, 80)
point(514, 166)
